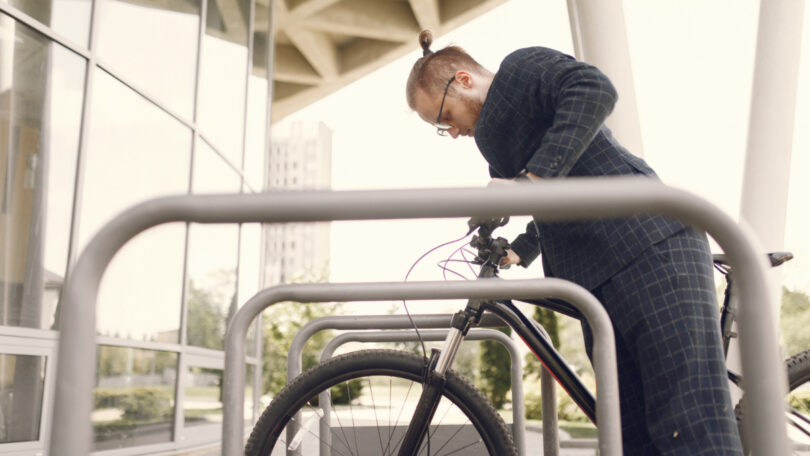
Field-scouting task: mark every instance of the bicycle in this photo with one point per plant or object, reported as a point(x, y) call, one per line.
point(440, 411)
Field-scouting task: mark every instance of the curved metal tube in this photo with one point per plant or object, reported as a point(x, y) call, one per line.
point(556, 199)
point(604, 356)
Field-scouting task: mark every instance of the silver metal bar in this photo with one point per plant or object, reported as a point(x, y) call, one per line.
point(363, 322)
point(604, 357)
point(518, 409)
point(548, 393)
point(551, 200)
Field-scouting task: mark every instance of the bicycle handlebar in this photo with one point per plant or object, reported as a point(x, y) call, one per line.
point(490, 251)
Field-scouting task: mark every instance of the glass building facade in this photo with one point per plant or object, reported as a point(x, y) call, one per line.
point(104, 104)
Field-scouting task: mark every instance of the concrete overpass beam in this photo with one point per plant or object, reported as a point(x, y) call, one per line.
point(318, 49)
point(368, 19)
point(427, 15)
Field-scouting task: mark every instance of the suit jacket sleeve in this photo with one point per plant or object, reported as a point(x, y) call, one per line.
point(527, 245)
point(579, 98)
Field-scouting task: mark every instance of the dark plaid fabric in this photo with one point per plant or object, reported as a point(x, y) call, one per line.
point(672, 374)
point(544, 113)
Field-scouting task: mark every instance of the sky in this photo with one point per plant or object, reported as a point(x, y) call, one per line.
point(692, 64)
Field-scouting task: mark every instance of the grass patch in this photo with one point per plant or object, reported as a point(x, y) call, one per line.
point(579, 430)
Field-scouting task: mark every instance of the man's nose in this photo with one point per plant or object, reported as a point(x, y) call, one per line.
point(454, 132)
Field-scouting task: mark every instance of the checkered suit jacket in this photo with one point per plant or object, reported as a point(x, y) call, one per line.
point(544, 113)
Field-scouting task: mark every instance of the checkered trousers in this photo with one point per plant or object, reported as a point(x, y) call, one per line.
point(672, 374)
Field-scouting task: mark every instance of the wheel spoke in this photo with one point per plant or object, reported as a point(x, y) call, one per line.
point(342, 429)
point(794, 416)
point(317, 436)
point(302, 404)
point(449, 439)
point(396, 423)
point(374, 407)
point(464, 447)
point(436, 429)
point(351, 412)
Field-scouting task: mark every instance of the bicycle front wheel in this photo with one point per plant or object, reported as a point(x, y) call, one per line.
point(362, 403)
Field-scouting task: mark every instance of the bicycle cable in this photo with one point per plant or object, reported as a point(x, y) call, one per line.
point(405, 303)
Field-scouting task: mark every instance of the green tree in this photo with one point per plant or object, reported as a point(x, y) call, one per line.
point(795, 319)
point(282, 322)
point(495, 380)
point(566, 337)
point(206, 320)
point(549, 321)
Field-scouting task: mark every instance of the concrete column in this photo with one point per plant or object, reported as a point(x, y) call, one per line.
point(770, 129)
point(600, 38)
point(763, 205)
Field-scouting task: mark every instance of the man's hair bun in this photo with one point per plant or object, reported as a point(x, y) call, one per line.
point(425, 40)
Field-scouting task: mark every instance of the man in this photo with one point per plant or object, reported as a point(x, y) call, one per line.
point(541, 116)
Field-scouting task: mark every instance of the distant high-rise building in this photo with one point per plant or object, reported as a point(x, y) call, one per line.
point(300, 159)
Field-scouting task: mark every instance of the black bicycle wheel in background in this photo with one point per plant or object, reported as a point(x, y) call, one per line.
point(797, 403)
point(373, 417)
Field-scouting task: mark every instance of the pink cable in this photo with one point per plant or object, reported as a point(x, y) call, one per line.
point(405, 304)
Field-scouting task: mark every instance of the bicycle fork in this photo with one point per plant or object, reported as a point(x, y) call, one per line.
point(435, 376)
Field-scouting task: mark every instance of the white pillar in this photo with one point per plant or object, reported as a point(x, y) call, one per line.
point(763, 205)
point(770, 128)
point(600, 38)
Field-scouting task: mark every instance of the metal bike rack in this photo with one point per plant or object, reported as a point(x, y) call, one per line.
point(550, 200)
point(422, 321)
point(604, 352)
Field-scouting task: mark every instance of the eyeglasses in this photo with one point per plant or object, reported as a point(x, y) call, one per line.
point(441, 128)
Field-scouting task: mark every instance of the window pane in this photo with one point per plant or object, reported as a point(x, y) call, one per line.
point(257, 122)
point(203, 403)
point(261, 26)
point(249, 261)
point(41, 90)
point(22, 382)
point(144, 282)
point(222, 77)
point(249, 373)
point(134, 397)
point(67, 17)
point(249, 273)
point(255, 134)
point(135, 152)
point(155, 45)
point(212, 257)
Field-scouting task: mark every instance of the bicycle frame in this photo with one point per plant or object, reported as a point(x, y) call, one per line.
point(490, 251)
point(441, 360)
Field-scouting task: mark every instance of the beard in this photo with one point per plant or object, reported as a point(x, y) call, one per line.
point(474, 108)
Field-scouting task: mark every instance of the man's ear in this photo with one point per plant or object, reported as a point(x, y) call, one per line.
point(464, 78)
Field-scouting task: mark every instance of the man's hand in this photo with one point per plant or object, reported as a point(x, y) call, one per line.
point(510, 258)
point(533, 177)
point(497, 182)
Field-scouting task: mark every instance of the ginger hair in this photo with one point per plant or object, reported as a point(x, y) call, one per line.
point(431, 72)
